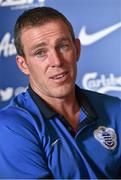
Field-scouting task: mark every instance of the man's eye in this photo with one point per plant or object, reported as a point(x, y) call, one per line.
point(40, 53)
point(64, 46)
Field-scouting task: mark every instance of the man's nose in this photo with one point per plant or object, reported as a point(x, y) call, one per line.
point(56, 58)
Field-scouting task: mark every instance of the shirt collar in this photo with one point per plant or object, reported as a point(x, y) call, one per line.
point(85, 103)
point(44, 108)
point(48, 112)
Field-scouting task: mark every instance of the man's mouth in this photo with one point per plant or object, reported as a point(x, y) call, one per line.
point(59, 76)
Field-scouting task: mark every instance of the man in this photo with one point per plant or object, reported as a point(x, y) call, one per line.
point(55, 129)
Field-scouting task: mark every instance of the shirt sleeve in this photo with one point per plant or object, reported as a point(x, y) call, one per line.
point(21, 154)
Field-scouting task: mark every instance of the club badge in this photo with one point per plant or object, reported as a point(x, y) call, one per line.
point(106, 136)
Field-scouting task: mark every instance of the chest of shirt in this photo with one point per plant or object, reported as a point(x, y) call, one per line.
point(67, 155)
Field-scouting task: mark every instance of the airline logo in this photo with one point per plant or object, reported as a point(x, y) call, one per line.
point(7, 47)
point(101, 83)
point(88, 39)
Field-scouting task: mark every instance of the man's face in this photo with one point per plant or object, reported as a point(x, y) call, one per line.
point(50, 59)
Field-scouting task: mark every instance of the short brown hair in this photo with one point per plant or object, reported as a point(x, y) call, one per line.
point(35, 17)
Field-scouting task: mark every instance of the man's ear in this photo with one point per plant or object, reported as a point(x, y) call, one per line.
point(21, 62)
point(78, 48)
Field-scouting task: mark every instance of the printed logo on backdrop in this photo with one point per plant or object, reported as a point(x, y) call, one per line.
point(88, 39)
point(101, 83)
point(7, 47)
point(9, 92)
point(21, 4)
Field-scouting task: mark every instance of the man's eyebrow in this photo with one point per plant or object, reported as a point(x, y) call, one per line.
point(43, 44)
point(63, 39)
point(39, 45)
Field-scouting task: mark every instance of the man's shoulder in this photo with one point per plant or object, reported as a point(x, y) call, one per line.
point(18, 116)
point(20, 107)
point(13, 115)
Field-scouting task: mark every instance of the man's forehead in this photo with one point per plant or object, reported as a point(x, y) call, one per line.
point(50, 24)
point(43, 35)
point(57, 40)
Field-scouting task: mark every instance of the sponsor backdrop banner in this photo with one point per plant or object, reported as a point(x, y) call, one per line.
point(96, 23)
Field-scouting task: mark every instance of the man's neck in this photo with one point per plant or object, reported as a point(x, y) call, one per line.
point(66, 106)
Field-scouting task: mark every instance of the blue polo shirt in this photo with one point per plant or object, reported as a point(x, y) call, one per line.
point(37, 142)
